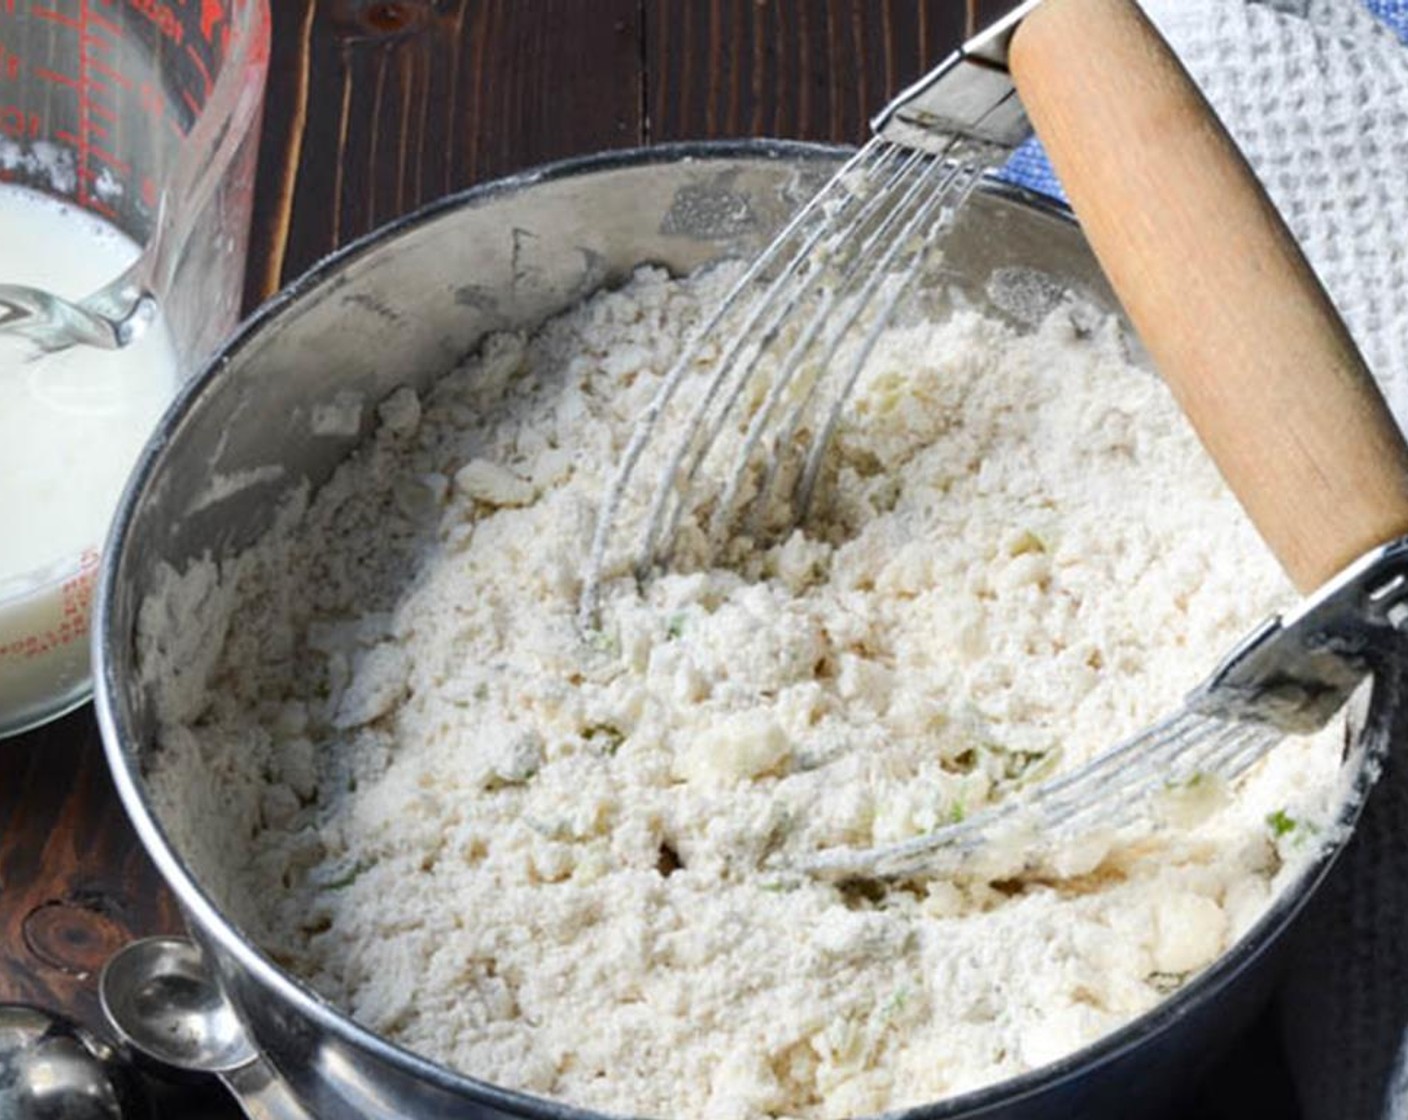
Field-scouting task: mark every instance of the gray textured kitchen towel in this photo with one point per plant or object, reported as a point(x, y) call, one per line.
point(1316, 93)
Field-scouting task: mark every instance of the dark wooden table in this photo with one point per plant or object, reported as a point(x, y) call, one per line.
point(378, 106)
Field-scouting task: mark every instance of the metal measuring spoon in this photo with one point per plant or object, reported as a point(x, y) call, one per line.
point(108, 321)
point(53, 1069)
point(163, 1004)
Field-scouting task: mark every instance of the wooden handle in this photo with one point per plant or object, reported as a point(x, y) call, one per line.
point(1217, 288)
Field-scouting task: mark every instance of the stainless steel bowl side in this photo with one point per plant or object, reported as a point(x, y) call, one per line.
point(404, 306)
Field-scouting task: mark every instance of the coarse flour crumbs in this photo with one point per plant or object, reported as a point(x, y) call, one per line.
point(543, 857)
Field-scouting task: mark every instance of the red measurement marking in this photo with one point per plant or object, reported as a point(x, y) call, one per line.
point(96, 77)
point(76, 23)
point(121, 166)
point(166, 20)
point(212, 12)
point(149, 191)
point(191, 103)
point(106, 24)
point(19, 123)
point(122, 80)
point(200, 67)
point(60, 79)
point(85, 196)
point(75, 605)
point(10, 64)
point(54, 16)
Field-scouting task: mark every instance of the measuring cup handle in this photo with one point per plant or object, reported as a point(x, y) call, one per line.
point(1216, 286)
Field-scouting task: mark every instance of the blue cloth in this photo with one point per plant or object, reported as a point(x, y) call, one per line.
point(1029, 167)
point(1394, 13)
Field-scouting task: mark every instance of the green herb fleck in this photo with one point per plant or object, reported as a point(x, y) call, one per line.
point(1280, 823)
point(675, 627)
point(1195, 780)
point(603, 642)
point(896, 1004)
point(481, 691)
point(346, 879)
point(957, 812)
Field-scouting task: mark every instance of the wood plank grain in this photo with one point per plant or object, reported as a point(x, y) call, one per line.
point(810, 70)
point(74, 883)
point(376, 108)
point(281, 145)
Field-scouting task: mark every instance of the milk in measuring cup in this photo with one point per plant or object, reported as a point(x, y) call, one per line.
point(71, 425)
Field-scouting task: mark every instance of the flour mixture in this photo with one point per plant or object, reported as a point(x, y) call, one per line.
point(548, 859)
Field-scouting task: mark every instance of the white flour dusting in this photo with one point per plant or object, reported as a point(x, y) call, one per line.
point(539, 857)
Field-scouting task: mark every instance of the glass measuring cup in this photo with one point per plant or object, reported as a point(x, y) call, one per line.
point(128, 137)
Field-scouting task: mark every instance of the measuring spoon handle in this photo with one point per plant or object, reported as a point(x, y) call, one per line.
point(1228, 307)
point(262, 1094)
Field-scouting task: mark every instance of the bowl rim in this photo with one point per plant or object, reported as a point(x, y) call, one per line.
point(200, 908)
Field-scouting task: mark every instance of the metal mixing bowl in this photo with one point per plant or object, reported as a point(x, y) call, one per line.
point(404, 306)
